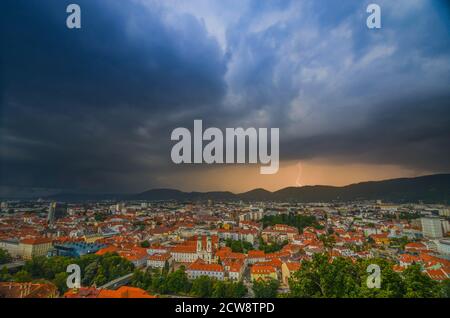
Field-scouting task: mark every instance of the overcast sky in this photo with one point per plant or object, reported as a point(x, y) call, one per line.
point(93, 109)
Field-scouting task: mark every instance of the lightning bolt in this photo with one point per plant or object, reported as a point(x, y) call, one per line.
point(297, 182)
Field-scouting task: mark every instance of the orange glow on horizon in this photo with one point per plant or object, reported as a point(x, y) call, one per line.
point(241, 178)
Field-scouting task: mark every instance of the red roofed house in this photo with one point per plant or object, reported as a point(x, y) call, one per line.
point(122, 292)
point(27, 290)
point(159, 260)
point(35, 247)
point(256, 256)
point(200, 268)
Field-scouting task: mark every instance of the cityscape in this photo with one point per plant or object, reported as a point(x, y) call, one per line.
point(224, 249)
point(224, 155)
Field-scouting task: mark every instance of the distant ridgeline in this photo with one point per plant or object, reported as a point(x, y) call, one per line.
point(429, 189)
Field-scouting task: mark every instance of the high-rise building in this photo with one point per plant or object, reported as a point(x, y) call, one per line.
point(432, 227)
point(56, 211)
point(4, 206)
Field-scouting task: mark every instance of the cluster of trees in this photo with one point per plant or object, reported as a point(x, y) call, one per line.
point(4, 257)
point(266, 288)
point(239, 246)
point(95, 270)
point(271, 247)
point(298, 221)
point(177, 283)
point(100, 217)
point(399, 242)
point(341, 278)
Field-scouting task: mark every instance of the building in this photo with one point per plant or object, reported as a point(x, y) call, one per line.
point(202, 247)
point(159, 260)
point(28, 290)
point(287, 269)
point(27, 248)
point(432, 227)
point(35, 247)
point(256, 256)
point(444, 246)
point(122, 292)
point(263, 272)
point(56, 211)
point(200, 268)
point(12, 247)
point(235, 270)
point(75, 249)
point(279, 233)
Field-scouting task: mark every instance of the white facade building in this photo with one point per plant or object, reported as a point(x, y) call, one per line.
point(432, 227)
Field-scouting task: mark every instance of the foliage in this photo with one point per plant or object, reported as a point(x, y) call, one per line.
point(446, 288)
point(342, 278)
point(95, 269)
point(22, 276)
point(4, 257)
point(298, 221)
point(265, 288)
point(239, 246)
point(202, 287)
point(157, 281)
point(4, 275)
point(399, 242)
point(272, 247)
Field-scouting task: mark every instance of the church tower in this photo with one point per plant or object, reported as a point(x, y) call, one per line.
point(208, 244)
point(199, 244)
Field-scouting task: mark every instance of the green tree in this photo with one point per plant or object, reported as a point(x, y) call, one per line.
point(4, 275)
point(178, 282)
point(60, 282)
point(239, 290)
point(142, 279)
point(419, 285)
point(22, 276)
point(392, 284)
point(328, 242)
point(203, 287)
point(265, 289)
point(298, 221)
point(4, 256)
point(446, 288)
point(322, 278)
point(222, 290)
point(145, 244)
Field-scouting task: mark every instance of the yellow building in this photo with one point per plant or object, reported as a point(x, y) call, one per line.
point(263, 272)
point(287, 269)
point(92, 238)
point(34, 247)
point(380, 239)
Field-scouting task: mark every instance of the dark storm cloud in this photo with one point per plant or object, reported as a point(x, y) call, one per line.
point(83, 108)
point(94, 108)
point(413, 133)
point(123, 55)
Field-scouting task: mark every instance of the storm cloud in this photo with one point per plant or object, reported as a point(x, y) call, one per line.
point(93, 108)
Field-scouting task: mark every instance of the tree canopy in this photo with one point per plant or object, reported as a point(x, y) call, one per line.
point(322, 277)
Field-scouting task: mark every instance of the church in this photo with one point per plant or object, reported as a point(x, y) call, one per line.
point(199, 247)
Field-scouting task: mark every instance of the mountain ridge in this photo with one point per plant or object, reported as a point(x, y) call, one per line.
point(429, 189)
